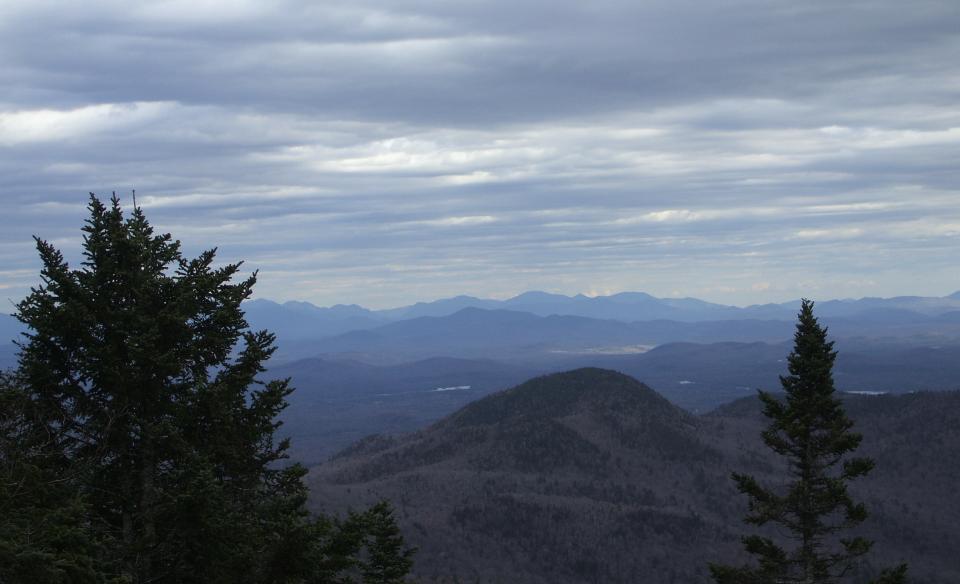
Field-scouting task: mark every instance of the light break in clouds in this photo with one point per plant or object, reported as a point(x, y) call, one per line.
point(384, 152)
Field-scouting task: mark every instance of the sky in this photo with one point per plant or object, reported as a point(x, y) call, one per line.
point(382, 152)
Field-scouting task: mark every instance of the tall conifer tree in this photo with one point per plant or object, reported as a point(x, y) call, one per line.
point(812, 431)
point(141, 375)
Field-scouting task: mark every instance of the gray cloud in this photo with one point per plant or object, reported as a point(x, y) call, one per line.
point(388, 152)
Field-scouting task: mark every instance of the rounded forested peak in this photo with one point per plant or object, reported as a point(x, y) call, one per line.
point(564, 394)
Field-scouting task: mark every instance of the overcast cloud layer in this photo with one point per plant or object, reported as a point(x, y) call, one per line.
point(383, 152)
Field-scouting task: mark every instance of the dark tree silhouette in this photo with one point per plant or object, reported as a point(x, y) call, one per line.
point(812, 431)
point(140, 378)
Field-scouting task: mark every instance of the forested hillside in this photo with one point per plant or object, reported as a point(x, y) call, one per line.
point(590, 476)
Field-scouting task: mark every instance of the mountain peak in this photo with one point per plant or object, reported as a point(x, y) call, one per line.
point(537, 295)
point(572, 421)
point(632, 296)
point(563, 394)
point(299, 304)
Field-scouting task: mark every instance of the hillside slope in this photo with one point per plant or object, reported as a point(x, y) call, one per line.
point(590, 476)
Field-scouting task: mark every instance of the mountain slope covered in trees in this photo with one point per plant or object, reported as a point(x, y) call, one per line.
point(590, 476)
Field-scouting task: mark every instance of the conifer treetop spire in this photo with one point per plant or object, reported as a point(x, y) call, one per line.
point(811, 430)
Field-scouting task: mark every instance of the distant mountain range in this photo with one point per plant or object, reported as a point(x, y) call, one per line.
point(590, 476)
point(638, 306)
point(294, 321)
point(625, 306)
point(513, 335)
point(300, 325)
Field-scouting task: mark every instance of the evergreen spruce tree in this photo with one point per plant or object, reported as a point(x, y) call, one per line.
point(812, 431)
point(388, 559)
point(142, 378)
